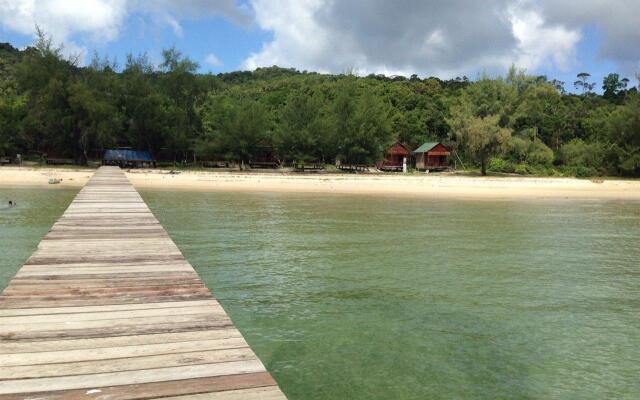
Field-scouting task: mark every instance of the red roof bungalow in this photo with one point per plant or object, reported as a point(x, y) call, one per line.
point(393, 157)
point(432, 156)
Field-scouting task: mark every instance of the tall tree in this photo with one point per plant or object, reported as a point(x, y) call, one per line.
point(612, 85)
point(624, 134)
point(242, 127)
point(302, 128)
point(93, 100)
point(583, 83)
point(541, 108)
point(482, 137)
point(361, 124)
point(146, 109)
point(45, 77)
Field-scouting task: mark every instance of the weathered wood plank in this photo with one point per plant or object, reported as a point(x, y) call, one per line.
point(197, 357)
point(153, 390)
point(264, 393)
point(106, 353)
point(90, 381)
point(96, 344)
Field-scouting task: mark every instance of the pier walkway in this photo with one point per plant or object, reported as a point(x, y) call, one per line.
point(108, 308)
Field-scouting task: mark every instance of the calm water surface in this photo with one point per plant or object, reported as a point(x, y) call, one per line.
point(23, 226)
point(349, 297)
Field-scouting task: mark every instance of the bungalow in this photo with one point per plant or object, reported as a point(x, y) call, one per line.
point(126, 158)
point(264, 156)
point(394, 157)
point(432, 156)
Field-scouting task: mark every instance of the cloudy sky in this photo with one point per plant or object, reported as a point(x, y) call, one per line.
point(444, 38)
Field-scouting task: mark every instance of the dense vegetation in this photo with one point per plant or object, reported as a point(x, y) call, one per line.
point(51, 107)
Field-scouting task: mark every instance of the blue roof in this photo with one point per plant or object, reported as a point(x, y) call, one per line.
point(127, 155)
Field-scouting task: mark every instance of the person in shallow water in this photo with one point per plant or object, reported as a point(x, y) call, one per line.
point(11, 203)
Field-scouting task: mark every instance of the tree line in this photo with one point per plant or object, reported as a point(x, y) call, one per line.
point(52, 107)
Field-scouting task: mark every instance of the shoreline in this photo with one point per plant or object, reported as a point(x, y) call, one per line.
point(423, 185)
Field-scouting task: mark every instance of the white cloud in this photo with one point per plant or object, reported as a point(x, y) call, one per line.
point(427, 37)
point(78, 22)
point(298, 39)
point(616, 23)
point(174, 24)
point(212, 60)
point(98, 19)
point(540, 44)
point(432, 37)
point(395, 38)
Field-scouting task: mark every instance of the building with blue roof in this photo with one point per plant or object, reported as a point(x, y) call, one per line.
point(127, 158)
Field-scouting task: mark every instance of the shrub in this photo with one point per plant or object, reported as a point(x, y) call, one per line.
point(500, 165)
point(539, 153)
point(577, 153)
point(582, 171)
point(523, 169)
point(533, 152)
point(552, 172)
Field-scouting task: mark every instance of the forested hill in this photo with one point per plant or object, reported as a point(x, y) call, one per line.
point(50, 107)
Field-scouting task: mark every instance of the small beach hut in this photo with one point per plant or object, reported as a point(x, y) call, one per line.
point(432, 156)
point(394, 157)
point(127, 158)
point(264, 156)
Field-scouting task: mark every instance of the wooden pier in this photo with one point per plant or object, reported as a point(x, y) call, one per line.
point(108, 308)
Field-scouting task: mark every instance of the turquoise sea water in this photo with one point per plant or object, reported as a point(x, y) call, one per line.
point(354, 297)
point(358, 297)
point(23, 226)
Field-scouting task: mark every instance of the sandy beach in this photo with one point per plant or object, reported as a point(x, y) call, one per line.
point(416, 185)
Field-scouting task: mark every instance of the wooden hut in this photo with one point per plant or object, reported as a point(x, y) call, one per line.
point(126, 158)
point(264, 156)
point(432, 156)
point(394, 157)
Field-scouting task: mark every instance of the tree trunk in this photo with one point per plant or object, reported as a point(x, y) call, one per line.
point(483, 166)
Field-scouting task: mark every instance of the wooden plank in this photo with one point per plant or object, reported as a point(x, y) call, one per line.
point(105, 353)
point(108, 308)
point(198, 357)
point(98, 310)
point(91, 381)
point(96, 344)
point(153, 390)
point(264, 393)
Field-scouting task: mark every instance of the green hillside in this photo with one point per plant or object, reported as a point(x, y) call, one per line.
point(518, 123)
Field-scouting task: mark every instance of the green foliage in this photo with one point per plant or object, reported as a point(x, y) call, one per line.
point(542, 110)
point(523, 169)
point(303, 131)
point(578, 153)
point(522, 149)
point(612, 86)
point(12, 112)
point(501, 165)
point(540, 154)
point(624, 136)
point(583, 172)
point(480, 137)
point(489, 97)
point(236, 128)
point(359, 123)
point(49, 106)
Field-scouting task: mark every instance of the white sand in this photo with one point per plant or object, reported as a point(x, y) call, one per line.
point(25, 176)
point(415, 185)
